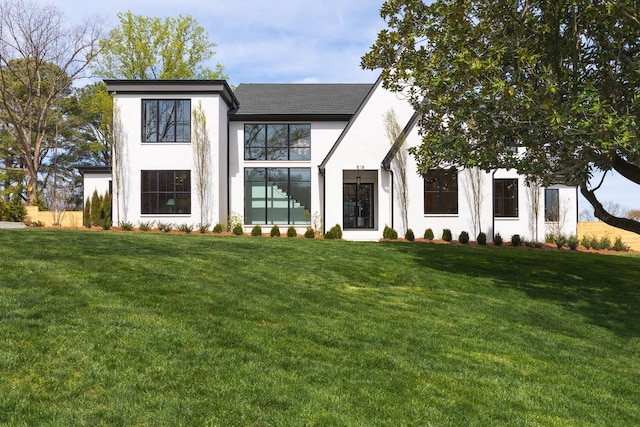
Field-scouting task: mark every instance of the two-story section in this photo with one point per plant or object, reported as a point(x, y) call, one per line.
point(170, 151)
point(278, 137)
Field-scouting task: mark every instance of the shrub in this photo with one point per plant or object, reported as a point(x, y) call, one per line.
point(446, 235)
point(560, 240)
point(532, 244)
point(497, 239)
point(516, 240)
point(256, 230)
point(86, 219)
point(428, 234)
point(185, 228)
point(409, 235)
point(15, 210)
point(389, 233)
point(291, 232)
point(549, 238)
point(337, 231)
point(619, 246)
point(98, 210)
point(126, 225)
point(595, 243)
point(463, 237)
point(573, 242)
point(94, 213)
point(309, 234)
point(218, 228)
point(105, 223)
point(203, 227)
point(330, 235)
point(237, 230)
point(482, 238)
point(275, 231)
point(165, 226)
point(145, 226)
point(586, 242)
point(605, 243)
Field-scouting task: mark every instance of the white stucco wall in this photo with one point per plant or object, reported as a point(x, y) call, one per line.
point(95, 182)
point(139, 156)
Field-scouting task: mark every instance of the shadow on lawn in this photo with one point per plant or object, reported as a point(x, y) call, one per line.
point(603, 288)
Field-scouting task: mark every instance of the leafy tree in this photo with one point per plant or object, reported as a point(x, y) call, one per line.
point(153, 48)
point(556, 79)
point(39, 61)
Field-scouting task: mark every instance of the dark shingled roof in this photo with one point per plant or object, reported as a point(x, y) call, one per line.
point(289, 100)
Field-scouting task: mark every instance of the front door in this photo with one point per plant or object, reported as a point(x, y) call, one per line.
point(357, 205)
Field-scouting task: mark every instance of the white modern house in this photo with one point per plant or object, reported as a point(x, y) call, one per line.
point(289, 154)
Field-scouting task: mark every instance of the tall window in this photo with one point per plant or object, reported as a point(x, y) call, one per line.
point(277, 142)
point(166, 192)
point(277, 195)
point(551, 204)
point(166, 120)
point(441, 191)
point(505, 198)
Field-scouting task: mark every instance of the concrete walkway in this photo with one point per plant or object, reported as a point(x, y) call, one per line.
point(6, 224)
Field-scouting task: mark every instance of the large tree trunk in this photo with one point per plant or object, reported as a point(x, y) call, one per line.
point(601, 213)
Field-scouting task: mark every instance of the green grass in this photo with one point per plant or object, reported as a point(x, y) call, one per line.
point(122, 329)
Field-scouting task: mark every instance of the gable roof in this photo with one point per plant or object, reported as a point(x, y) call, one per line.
point(269, 101)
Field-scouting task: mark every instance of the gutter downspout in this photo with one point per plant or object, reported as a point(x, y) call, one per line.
point(493, 200)
point(324, 199)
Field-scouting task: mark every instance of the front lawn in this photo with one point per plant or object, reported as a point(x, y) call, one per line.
point(116, 328)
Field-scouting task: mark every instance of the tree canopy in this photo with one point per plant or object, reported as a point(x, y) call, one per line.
point(154, 48)
point(557, 79)
point(40, 59)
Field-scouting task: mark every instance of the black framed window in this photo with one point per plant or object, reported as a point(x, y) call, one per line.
point(166, 192)
point(551, 204)
point(166, 120)
point(277, 195)
point(441, 191)
point(505, 198)
point(277, 142)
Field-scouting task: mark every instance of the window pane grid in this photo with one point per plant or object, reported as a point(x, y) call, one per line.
point(166, 192)
point(441, 191)
point(277, 142)
point(167, 120)
point(277, 195)
point(505, 198)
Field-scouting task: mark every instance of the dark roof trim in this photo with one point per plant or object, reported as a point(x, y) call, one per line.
point(220, 87)
point(93, 169)
point(323, 165)
point(290, 117)
point(402, 137)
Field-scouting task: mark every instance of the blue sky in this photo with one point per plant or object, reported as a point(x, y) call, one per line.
point(289, 41)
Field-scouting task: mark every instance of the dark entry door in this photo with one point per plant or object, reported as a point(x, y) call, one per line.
point(357, 205)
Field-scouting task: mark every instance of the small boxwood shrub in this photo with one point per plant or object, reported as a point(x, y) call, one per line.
point(482, 238)
point(408, 235)
point(463, 237)
point(291, 232)
point(516, 240)
point(275, 231)
point(497, 239)
point(256, 230)
point(237, 230)
point(337, 231)
point(619, 246)
point(310, 234)
point(428, 234)
point(605, 242)
point(446, 235)
point(586, 242)
point(573, 242)
point(389, 233)
point(218, 228)
point(560, 240)
point(330, 235)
